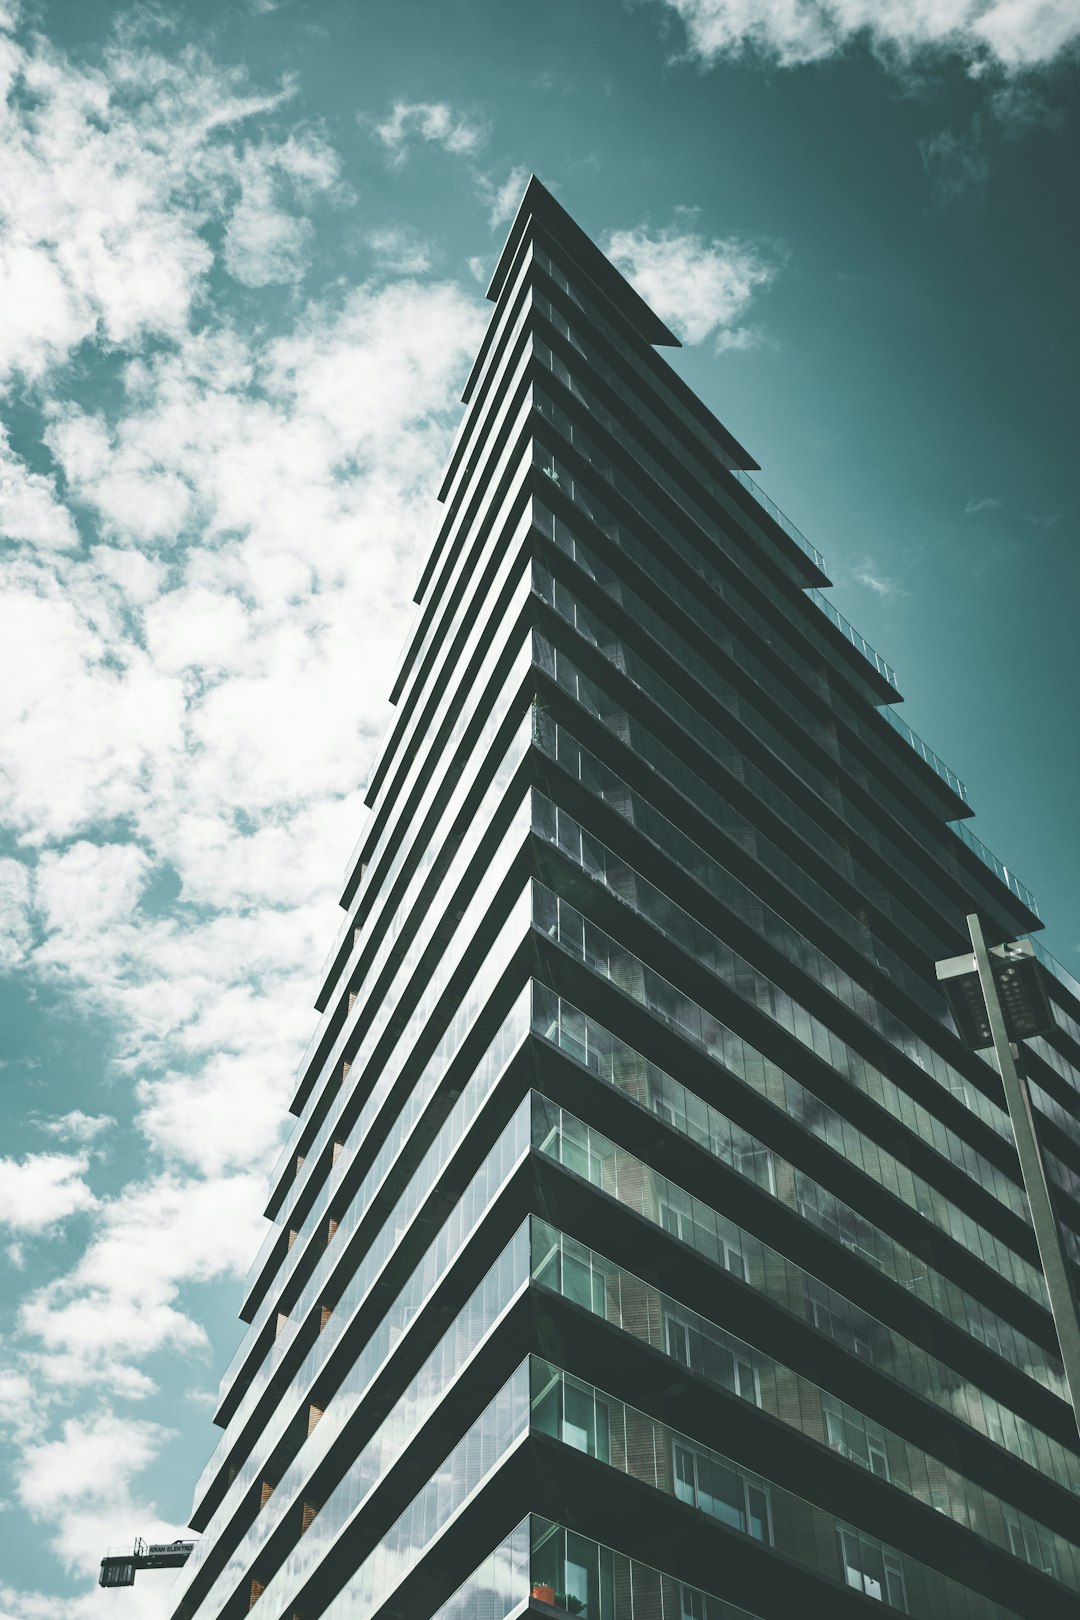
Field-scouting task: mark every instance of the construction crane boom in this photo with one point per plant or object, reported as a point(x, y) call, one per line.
point(119, 1566)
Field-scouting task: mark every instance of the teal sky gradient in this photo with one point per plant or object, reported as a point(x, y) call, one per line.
point(908, 387)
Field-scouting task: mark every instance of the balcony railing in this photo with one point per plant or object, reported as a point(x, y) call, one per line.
point(926, 753)
point(849, 632)
point(778, 516)
point(860, 643)
point(988, 858)
point(1058, 969)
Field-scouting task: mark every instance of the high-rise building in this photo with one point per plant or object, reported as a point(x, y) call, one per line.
point(647, 1245)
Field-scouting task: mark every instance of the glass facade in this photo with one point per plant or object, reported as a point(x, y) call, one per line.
point(596, 1424)
point(721, 1359)
point(580, 1576)
point(645, 1244)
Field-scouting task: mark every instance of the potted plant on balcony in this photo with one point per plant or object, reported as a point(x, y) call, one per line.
point(567, 1601)
point(543, 1593)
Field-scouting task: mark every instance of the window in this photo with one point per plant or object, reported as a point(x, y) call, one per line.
point(994, 1426)
point(575, 1414)
point(873, 1568)
point(576, 1273)
point(681, 1223)
point(839, 1319)
point(575, 1578)
point(985, 1330)
point(706, 1350)
point(745, 1380)
point(579, 1573)
point(825, 1212)
point(1030, 1541)
point(546, 1269)
point(733, 1258)
point(958, 1086)
point(578, 1147)
point(756, 1163)
point(583, 1282)
point(863, 1253)
point(585, 1422)
point(678, 1340)
point(714, 1486)
point(731, 1368)
point(858, 1438)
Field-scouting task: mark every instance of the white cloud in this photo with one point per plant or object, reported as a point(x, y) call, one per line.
point(77, 1126)
point(957, 165)
point(89, 886)
point(1026, 33)
point(1040, 520)
point(1008, 34)
point(110, 177)
point(266, 240)
point(701, 288)
point(501, 198)
point(434, 122)
point(867, 573)
point(150, 1600)
point(83, 711)
point(29, 508)
point(93, 1459)
point(64, 266)
point(121, 1301)
point(993, 503)
point(400, 249)
point(336, 370)
point(226, 1115)
point(42, 1189)
point(263, 244)
point(15, 929)
point(1018, 105)
point(196, 627)
point(17, 1414)
point(83, 1479)
point(136, 579)
point(61, 1376)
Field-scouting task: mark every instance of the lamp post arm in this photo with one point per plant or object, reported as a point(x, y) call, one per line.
point(1033, 1170)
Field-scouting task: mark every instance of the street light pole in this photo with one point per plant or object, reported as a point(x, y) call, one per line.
point(1047, 1235)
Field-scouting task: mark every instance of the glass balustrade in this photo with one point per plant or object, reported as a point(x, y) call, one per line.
point(429, 991)
point(497, 1586)
point(649, 1087)
point(407, 922)
point(818, 779)
point(383, 1244)
point(761, 993)
point(502, 1426)
point(359, 1138)
point(578, 1273)
point(689, 1220)
point(632, 1442)
point(372, 1459)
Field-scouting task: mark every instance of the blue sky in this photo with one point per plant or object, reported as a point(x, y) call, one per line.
point(243, 247)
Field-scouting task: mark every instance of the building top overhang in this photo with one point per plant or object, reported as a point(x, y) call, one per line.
point(539, 207)
point(538, 204)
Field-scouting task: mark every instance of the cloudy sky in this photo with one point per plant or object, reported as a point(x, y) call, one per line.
point(243, 246)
